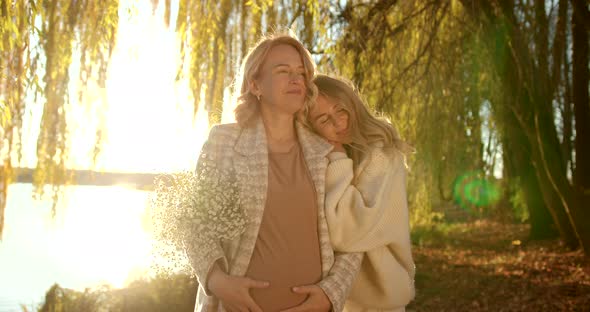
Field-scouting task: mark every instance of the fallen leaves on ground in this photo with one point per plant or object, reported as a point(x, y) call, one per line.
point(490, 266)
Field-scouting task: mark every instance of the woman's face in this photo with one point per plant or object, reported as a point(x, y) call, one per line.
point(330, 120)
point(281, 81)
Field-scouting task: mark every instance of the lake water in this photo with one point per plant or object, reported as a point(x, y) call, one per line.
point(96, 237)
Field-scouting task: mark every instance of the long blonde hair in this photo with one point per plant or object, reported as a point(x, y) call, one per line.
point(247, 104)
point(365, 129)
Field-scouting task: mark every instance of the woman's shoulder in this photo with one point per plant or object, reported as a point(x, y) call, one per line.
point(217, 149)
point(386, 158)
point(222, 138)
point(225, 129)
point(224, 133)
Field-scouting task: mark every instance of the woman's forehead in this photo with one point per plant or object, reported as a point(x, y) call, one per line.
point(284, 55)
point(324, 104)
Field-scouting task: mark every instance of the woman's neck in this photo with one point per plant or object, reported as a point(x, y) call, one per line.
point(280, 131)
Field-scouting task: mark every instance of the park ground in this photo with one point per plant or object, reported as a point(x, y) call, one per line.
point(491, 266)
point(480, 265)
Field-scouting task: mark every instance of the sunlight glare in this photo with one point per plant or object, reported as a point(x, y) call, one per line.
point(150, 115)
point(150, 128)
point(101, 236)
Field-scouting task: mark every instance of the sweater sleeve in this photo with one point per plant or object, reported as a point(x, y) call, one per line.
point(371, 213)
point(202, 258)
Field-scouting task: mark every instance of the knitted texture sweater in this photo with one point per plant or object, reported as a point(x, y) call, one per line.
point(367, 212)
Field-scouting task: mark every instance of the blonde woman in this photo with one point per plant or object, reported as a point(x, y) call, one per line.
point(283, 260)
point(365, 202)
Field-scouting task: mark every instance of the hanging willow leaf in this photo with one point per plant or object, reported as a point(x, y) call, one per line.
point(45, 33)
point(219, 33)
point(37, 44)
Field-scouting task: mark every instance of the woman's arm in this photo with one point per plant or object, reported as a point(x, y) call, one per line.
point(203, 258)
point(372, 217)
point(204, 249)
point(371, 213)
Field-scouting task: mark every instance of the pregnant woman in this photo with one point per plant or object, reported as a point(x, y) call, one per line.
point(283, 258)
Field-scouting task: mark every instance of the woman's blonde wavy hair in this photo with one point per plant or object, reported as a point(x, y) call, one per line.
point(247, 104)
point(365, 129)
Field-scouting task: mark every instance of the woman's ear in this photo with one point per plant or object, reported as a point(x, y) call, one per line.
point(254, 89)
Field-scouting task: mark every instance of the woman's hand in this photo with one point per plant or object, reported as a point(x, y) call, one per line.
point(317, 300)
point(234, 291)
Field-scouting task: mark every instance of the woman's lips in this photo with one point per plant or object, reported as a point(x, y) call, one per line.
point(342, 133)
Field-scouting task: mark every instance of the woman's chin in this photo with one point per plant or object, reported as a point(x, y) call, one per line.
point(342, 139)
point(296, 106)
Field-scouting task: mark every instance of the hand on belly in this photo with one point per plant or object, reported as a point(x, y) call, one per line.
point(276, 297)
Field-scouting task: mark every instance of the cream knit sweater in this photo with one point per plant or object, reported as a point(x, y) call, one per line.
point(371, 216)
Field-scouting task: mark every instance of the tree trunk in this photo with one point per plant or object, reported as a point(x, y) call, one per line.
point(581, 100)
point(534, 111)
point(561, 65)
point(540, 219)
point(541, 44)
point(517, 158)
point(530, 105)
point(567, 117)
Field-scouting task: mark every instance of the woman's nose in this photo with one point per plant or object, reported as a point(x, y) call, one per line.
point(338, 123)
point(295, 77)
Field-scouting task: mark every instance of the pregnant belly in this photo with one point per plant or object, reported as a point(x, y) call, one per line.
point(282, 277)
